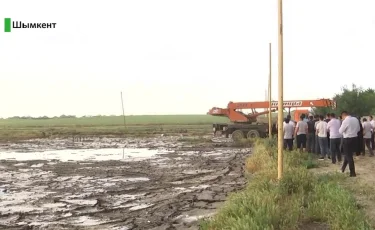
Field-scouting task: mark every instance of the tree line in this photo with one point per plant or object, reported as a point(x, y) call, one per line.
point(46, 117)
point(356, 100)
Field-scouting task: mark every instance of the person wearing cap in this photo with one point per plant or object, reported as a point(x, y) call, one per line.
point(349, 129)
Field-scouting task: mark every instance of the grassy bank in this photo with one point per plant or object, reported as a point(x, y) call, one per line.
point(107, 125)
point(301, 200)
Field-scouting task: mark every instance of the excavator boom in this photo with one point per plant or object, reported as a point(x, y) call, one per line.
point(237, 116)
point(286, 104)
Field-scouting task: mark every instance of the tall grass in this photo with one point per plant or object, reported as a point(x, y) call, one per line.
point(297, 200)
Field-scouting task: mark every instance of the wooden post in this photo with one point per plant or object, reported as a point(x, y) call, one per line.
point(123, 113)
point(281, 93)
point(269, 97)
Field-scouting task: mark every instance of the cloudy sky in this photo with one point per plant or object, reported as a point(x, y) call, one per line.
point(178, 56)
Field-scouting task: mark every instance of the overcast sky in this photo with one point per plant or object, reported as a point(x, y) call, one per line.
point(178, 57)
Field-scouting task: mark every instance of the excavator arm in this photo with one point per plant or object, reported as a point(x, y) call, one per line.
point(286, 104)
point(233, 113)
point(238, 115)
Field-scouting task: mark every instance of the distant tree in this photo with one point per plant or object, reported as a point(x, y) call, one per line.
point(67, 116)
point(42, 118)
point(357, 101)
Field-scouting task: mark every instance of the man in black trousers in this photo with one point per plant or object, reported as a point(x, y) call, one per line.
point(349, 129)
point(372, 122)
point(328, 119)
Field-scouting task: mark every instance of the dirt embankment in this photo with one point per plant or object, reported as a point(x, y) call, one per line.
point(78, 187)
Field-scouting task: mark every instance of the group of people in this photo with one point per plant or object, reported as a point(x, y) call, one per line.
point(331, 137)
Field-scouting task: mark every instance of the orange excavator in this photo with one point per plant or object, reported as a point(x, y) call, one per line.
point(246, 125)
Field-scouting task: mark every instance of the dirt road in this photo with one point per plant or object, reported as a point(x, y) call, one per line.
point(157, 183)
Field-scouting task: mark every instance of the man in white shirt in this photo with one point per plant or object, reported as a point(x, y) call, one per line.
point(349, 129)
point(372, 122)
point(288, 129)
point(333, 127)
point(316, 147)
point(290, 121)
point(367, 135)
point(321, 132)
point(301, 134)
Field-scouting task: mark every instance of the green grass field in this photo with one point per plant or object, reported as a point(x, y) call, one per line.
point(12, 129)
point(114, 121)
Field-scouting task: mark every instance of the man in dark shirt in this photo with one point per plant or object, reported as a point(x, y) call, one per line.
point(360, 144)
point(328, 119)
point(311, 135)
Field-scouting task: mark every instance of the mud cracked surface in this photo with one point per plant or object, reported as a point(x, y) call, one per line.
point(169, 190)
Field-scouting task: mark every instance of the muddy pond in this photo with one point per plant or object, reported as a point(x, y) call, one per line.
point(109, 183)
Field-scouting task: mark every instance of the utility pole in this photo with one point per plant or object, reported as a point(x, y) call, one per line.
point(269, 96)
point(280, 135)
point(123, 112)
point(266, 99)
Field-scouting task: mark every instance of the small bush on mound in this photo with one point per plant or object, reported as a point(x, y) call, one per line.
point(300, 197)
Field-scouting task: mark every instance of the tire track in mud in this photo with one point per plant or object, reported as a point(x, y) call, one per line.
point(170, 192)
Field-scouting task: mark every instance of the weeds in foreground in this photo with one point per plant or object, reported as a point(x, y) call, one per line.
point(299, 198)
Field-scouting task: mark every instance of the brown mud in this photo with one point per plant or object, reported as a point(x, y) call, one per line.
point(167, 184)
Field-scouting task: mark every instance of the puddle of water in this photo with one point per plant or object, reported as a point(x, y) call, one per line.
point(87, 221)
point(82, 155)
point(139, 207)
point(37, 165)
point(192, 172)
point(190, 219)
point(202, 186)
point(81, 202)
point(134, 179)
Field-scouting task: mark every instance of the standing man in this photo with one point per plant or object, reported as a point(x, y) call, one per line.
point(311, 135)
point(301, 134)
point(288, 130)
point(333, 127)
point(367, 136)
point(342, 138)
point(290, 121)
point(304, 118)
point(360, 143)
point(328, 119)
point(349, 129)
point(317, 148)
point(321, 132)
point(372, 122)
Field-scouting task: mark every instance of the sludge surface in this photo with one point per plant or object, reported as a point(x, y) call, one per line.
point(171, 190)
